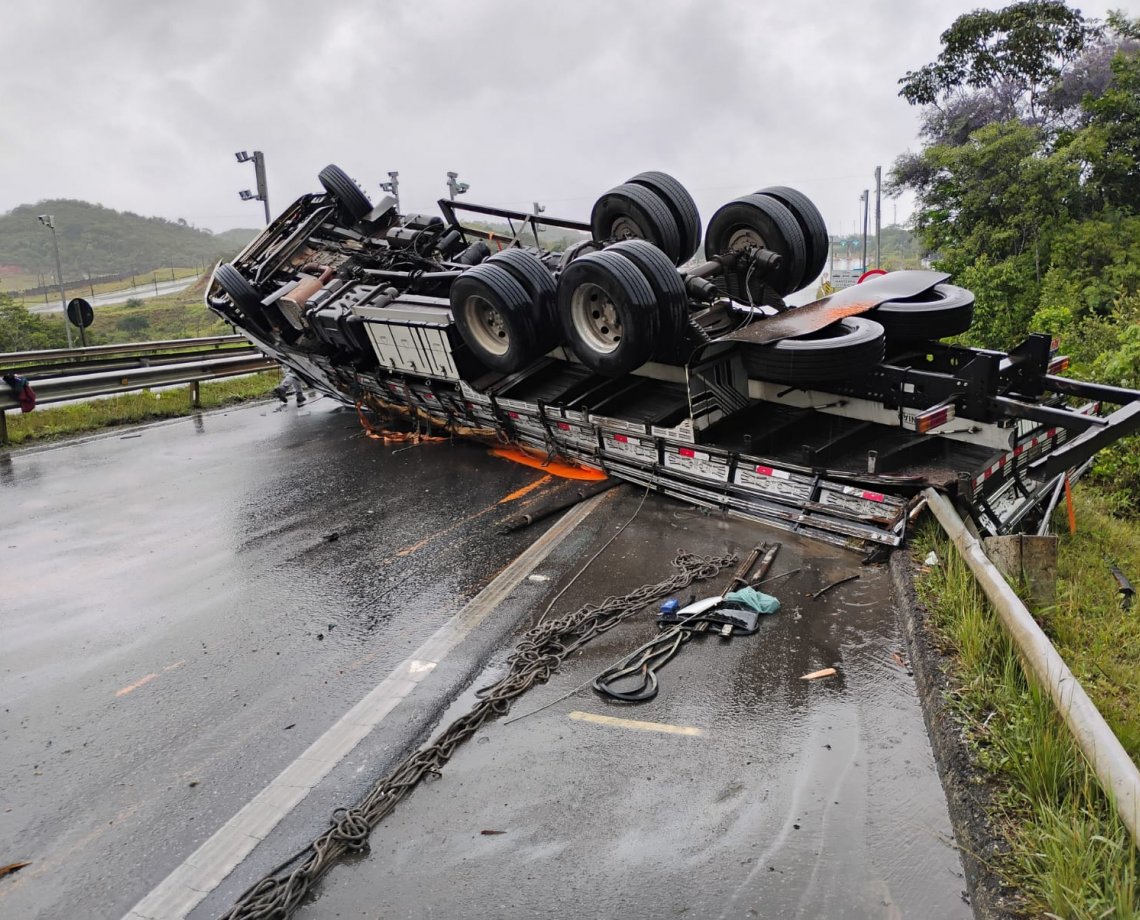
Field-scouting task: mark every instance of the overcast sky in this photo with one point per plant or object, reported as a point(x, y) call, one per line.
point(139, 105)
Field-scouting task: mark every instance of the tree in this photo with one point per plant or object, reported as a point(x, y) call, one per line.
point(1028, 197)
point(22, 330)
point(1017, 54)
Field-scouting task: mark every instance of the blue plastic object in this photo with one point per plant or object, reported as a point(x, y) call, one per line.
point(670, 606)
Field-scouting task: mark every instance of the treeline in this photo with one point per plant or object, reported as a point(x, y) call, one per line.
point(95, 241)
point(1028, 186)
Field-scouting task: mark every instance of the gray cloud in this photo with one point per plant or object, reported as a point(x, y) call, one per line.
point(140, 105)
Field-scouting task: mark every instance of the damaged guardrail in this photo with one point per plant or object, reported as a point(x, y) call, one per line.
point(1098, 743)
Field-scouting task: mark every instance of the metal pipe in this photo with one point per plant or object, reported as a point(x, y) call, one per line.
point(1100, 746)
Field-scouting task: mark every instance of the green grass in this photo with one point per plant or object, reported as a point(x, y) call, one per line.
point(1068, 852)
point(177, 316)
point(59, 421)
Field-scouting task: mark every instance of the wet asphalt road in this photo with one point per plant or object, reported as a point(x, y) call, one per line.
point(177, 628)
point(177, 625)
point(803, 799)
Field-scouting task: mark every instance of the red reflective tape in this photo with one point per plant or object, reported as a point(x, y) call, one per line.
point(765, 470)
point(686, 452)
point(513, 414)
point(621, 439)
point(874, 496)
point(563, 426)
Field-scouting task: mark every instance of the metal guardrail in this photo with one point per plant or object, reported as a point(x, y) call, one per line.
point(88, 375)
point(54, 355)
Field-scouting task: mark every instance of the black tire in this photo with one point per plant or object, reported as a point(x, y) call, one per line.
point(351, 199)
point(755, 220)
point(680, 204)
point(848, 348)
point(608, 312)
point(669, 292)
point(811, 223)
point(540, 287)
point(634, 212)
point(243, 294)
point(494, 315)
point(943, 311)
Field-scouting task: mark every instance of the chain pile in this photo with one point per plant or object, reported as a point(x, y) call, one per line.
point(538, 654)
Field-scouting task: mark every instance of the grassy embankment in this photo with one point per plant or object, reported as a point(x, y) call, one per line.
point(1068, 852)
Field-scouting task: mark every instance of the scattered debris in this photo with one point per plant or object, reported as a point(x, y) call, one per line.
point(834, 584)
point(491, 833)
point(816, 675)
point(931, 558)
point(12, 867)
point(331, 537)
point(1126, 591)
point(192, 783)
point(764, 581)
point(289, 726)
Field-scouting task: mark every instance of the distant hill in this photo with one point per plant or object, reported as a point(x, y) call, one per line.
point(95, 241)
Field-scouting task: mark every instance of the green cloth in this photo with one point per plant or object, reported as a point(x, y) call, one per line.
point(757, 600)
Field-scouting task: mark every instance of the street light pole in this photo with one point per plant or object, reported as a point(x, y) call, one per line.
point(48, 220)
point(262, 195)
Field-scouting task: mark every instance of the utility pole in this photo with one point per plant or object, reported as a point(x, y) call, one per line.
point(262, 195)
point(866, 209)
point(878, 216)
point(48, 220)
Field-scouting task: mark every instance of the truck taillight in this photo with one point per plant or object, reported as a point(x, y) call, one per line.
point(1059, 363)
point(933, 418)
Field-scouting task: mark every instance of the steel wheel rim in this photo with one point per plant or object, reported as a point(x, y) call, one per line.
point(626, 228)
point(487, 326)
point(745, 238)
point(596, 318)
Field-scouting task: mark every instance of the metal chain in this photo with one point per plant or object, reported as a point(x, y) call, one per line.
point(538, 654)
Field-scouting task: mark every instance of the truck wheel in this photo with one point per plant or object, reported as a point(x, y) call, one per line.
point(608, 312)
point(633, 212)
point(668, 291)
point(943, 311)
point(351, 199)
point(245, 298)
point(756, 221)
point(844, 349)
point(680, 204)
point(241, 292)
point(811, 223)
point(495, 317)
point(540, 288)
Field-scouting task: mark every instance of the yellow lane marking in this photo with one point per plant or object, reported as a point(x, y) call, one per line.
point(636, 724)
point(143, 681)
point(129, 688)
point(525, 490)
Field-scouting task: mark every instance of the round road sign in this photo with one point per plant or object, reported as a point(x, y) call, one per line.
point(79, 312)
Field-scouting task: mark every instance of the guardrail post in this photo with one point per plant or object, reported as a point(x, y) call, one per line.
point(196, 394)
point(3, 428)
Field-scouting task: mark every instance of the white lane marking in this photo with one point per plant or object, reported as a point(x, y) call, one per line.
point(637, 724)
point(207, 866)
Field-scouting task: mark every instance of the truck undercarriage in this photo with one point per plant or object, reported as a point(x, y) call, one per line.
point(689, 377)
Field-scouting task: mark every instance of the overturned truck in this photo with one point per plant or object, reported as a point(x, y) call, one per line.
point(685, 374)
